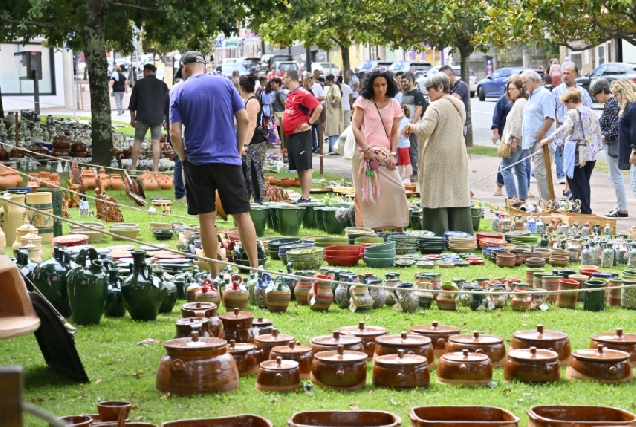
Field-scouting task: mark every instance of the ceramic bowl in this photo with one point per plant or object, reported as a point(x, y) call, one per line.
point(160, 226)
point(563, 416)
point(130, 233)
point(305, 258)
point(163, 234)
point(379, 262)
point(343, 250)
point(109, 410)
point(342, 260)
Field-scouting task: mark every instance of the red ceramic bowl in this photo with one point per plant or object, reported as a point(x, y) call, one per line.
point(343, 250)
point(342, 261)
point(588, 272)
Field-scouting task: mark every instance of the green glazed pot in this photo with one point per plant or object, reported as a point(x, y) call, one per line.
point(50, 279)
point(290, 219)
point(595, 300)
point(115, 306)
point(168, 292)
point(142, 290)
point(309, 218)
point(332, 225)
point(87, 292)
point(259, 216)
point(318, 211)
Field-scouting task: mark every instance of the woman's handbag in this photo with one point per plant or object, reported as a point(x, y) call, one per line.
point(580, 154)
point(504, 150)
point(612, 148)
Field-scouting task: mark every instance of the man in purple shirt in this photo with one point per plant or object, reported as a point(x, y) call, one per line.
point(207, 105)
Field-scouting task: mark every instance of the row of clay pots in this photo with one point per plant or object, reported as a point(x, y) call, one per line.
point(10, 178)
point(44, 179)
point(154, 181)
point(114, 181)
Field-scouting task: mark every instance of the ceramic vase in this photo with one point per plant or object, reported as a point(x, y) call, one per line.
point(613, 294)
point(87, 292)
point(260, 294)
point(168, 293)
point(407, 301)
point(305, 283)
point(115, 305)
point(342, 295)
point(521, 299)
point(13, 215)
point(447, 301)
point(360, 298)
point(278, 296)
point(116, 183)
point(320, 296)
point(378, 295)
point(142, 294)
point(50, 279)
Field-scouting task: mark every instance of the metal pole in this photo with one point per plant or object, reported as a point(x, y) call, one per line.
point(308, 59)
point(548, 170)
point(73, 83)
point(321, 145)
point(36, 91)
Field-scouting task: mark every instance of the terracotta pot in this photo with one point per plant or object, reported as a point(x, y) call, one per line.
point(300, 353)
point(186, 325)
point(464, 368)
point(79, 146)
point(401, 371)
point(7, 180)
point(116, 182)
point(331, 343)
point(532, 366)
point(579, 416)
point(542, 339)
point(367, 334)
point(263, 326)
point(278, 375)
point(600, 365)
point(438, 334)
point(110, 410)
point(266, 342)
point(88, 180)
point(232, 421)
point(150, 183)
point(617, 341)
point(340, 369)
point(203, 309)
point(77, 420)
point(165, 183)
point(237, 326)
point(245, 356)
point(461, 416)
point(410, 343)
point(196, 365)
point(61, 141)
point(491, 345)
point(344, 419)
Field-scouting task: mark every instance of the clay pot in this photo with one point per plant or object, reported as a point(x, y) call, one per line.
point(7, 180)
point(196, 365)
point(367, 334)
point(199, 309)
point(263, 326)
point(186, 325)
point(116, 182)
point(542, 339)
point(300, 353)
point(78, 147)
point(617, 341)
point(461, 416)
point(266, 342)
point(464, 368)
point(110, 410)
point(232, 421)
point(88, 179)
point(150, 183)
point(411, 343)
point(576, 416)
point(245, 356)
point(532, 366)
point(331, 343)
point(401, 371)
point(61, 141)
point(490, 345)
point(600, 365)
point(438, 334)
point(61, 153)
point(344, 419)
point(340, 369)
point(237, 326)
point(278, 375)
point(165, 183)
point(77, 420)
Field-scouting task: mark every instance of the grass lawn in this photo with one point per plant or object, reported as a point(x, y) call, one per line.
point(121, 369)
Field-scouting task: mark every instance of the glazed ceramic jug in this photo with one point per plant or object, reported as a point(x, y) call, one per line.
point(360, 298)
point(13, 215)
point(320, 296)
point(378, 295)
point(50, 279)
point(521, 300)
point(87, 292)
point(447, 301)
point(407, 301)
point(115, 306)
point(168, 292)
point(235, 295)
point(305, 283)
point(251, 284)
point(208, 292)
point(259, 293)
point(278, 296)
point(141, 292)
point(342, 292)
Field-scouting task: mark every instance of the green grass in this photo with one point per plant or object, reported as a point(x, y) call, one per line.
point(120, 369)
point(124, 127)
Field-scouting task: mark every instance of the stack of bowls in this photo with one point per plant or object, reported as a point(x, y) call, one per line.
point(488, 250)
point(124, 230)
point(354, 232)
point(381, 255)
point(342, 256)
point(535, 262)
point(404, 243)
point(449, 234)
point(323, 242)
point(460, 244)
point(282, 250)
point(481, 235)
point(430, 244)
point(95, 233)
point(305, 258)
point(521, 238)
point(559, 260)
point(274, 245)
point(506, 259)
point(368, 239)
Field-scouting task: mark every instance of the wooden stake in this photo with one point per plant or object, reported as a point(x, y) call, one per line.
point(548, 170)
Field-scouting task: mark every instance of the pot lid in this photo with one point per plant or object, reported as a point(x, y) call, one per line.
point(199, 306)
point(601, 354)
point(533, 354)
point(279, 364)
point(400, 359)
point(541, 335)
point(435, 328)
point(291, 348)
point(336, 339)
point(260, 322)
point(274, 337)
point(194, 342)
point(465, 356)
point(362, 331)
point(617, 337)
point(236, 315)
point(340, 355)
point(192, 321)
point(234, 347)
point(404, 339)
point(27, 228)
point(476, 338)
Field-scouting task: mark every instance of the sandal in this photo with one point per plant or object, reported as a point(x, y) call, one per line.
point(497, 191)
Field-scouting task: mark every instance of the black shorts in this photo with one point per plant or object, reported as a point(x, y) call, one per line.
point(202, 182)
point(299, 151)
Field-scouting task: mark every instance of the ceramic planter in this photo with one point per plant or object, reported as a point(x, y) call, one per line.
point(490, 345)
point(340, 369)
point(594, 300)
point(600, 365)
point(290, 218)
point(543, 339)
point(332, 225)
point(301, 354)
point(259, 218)
point(532, 366)
point(579, 416)
point(438, 334)
point(461, 416)
point(411, 343)
point(617, 341)
point(141, 290)
point(401, 371)
point(278, 375)
point(368, 335)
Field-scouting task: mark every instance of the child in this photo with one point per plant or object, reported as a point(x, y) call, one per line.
point(403, 149)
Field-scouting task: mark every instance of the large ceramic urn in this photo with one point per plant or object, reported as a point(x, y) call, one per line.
point(87, 292)
point(50, 279)
point(142, 294)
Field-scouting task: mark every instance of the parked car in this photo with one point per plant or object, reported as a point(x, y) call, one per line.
point(228, 69)
point(250, 62)
point(494, 86)
point(268, 60)
point(421, 80)
point(410, 66)
point(610, 71)
point(280, 69)
point(368, 66)
point(326, 68)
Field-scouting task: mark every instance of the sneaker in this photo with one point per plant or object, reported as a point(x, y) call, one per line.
point(616, 214)
point(567, 193)
point(303, 200)
point(414, 178)
point(562, 181)
point(332, 153)
point(533, 179)
point(181, 199)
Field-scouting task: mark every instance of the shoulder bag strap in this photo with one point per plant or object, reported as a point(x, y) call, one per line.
point(582, 128)
point(453, 104)
point(382, 121)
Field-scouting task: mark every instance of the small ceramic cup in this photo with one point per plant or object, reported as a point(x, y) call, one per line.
point(109, 410)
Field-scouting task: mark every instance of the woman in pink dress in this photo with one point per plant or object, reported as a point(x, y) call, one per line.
point(555, 72)
point(380, 195)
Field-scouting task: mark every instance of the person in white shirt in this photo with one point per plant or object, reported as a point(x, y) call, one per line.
point(347, 100)
point(319, 93)
point(404, 147)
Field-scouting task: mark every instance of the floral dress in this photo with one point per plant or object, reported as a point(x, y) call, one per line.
point(571, 131)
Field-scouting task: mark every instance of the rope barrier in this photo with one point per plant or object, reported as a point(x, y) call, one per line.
point(508, 167)
point(291, 275)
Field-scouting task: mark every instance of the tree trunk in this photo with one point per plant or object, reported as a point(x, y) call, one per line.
point(464, 51)
point(94, 36)
point(1, 107)
point(344, 54)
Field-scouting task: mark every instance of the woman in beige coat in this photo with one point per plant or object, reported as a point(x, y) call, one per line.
point(443, 161)
point(334, 116)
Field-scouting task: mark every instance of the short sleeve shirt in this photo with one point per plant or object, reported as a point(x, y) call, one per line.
point(300, 104)
point(460, 88)
point(318, 92)
point(375, 133)
point(412, 100)
point(540, 106)
point(346, 91)
point(206, 106)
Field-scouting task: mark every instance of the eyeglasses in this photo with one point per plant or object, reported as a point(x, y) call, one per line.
point(429, 87)
point(310, 78)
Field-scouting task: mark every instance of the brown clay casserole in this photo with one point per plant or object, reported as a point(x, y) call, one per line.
point(410, 343)
point(368, 334)
point(300, 353)
point(532, 365)
point(490, 345)
point(438, 334)
point(401, 371)
point(344, 419)
point(340, 369)
point(601, 365)
point(542, 339)
point(186, 325)
point(266, 342)
point(262, 326)
point(246, 357)
point(464, 368)
point(331, 343)
point(199, 309)
point(462, 416)
point(237, 326)
point(278, 375)
point(617, 341)
point(579, 416)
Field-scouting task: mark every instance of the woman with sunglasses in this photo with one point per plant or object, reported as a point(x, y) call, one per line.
point(443, 160)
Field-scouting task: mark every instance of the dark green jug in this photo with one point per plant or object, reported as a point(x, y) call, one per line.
point(142, 294)
point(115, 306)
point(50, 279)
point(87, 291)
point(168, 292)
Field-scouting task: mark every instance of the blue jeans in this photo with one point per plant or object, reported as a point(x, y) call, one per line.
point(332, 140)
point(500, 181)
point(529, 170)
point(616, 178)
point(558, 159)
point(179, 187)
point(522, 175)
